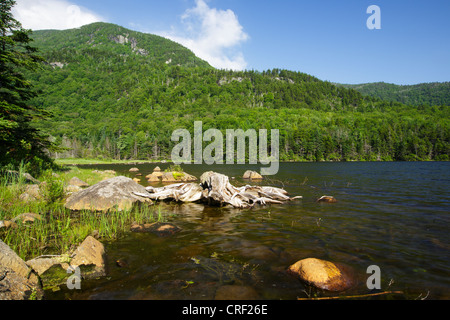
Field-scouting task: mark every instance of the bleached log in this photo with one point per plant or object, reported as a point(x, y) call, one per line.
point(215, 189)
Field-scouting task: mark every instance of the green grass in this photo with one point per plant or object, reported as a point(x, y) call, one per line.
point(61, 229)
point(87, 175)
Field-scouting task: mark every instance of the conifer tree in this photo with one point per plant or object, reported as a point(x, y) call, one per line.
point(20, 141)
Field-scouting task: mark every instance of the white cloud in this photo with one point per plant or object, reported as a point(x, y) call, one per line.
point(213, 35)
point(52, 14)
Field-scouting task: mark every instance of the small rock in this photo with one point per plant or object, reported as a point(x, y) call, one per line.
point(7, 224)
point(323, 274)
point(136, 180)
point(26, 197)
point(41, 265)
point(157, 169)
point(90, 253)
point(28, 217)
point(122, 263)
point(73, 189)
point(252, 175)
point(32, 193)
point(188, 178)
point(154, 177)
point(168, 177)
point(327, 199)
point(95, 234)
point(75, 181)
point(134, 170)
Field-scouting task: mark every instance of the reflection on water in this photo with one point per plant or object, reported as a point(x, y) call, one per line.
point(394, 215)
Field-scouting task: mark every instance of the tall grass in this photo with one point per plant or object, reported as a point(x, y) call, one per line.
point(61, 230)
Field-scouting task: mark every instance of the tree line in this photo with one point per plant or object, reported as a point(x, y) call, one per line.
point(109, 100)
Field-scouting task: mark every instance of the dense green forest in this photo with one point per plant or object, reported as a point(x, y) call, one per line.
point(116, 93)
point(435, 93)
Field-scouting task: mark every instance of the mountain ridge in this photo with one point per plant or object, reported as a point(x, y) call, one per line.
point(110, 99)
point(105, 35)
point(427, 93)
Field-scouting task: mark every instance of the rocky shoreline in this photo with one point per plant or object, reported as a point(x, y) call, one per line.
point(23, 280)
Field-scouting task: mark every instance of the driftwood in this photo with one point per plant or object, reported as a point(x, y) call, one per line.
point(354, 297)
point(215, 189)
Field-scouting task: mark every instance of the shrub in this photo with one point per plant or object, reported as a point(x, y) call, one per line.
point(53, 187)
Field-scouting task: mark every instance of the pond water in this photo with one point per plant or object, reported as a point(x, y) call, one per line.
point(391, 214)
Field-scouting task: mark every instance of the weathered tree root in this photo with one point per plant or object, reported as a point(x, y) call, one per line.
point(215, 189)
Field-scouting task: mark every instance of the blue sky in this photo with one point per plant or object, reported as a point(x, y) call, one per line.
point(328, 39)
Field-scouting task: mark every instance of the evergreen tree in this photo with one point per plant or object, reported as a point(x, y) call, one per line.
point(19, 140)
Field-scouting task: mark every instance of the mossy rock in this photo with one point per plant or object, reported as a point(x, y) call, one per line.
point(54, 277)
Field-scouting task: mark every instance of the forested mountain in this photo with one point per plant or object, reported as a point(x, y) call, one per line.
point(116, 93)
point(435, 93)
point(111, 44)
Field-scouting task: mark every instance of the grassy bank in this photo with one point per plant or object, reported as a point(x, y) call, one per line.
point(78, 161)
point(57, 229)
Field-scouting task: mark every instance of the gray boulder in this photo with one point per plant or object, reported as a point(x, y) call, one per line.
point(17, 281)
point(115, 193)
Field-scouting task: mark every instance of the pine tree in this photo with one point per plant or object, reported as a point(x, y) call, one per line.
point(19, 140)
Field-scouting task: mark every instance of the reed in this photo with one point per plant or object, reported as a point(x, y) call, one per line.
point(61, 230)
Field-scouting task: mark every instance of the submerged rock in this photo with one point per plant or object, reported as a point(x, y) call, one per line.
point(51, 270)
point(108, 194)
point(323, 274)
point(158, 228)
point(122, 263)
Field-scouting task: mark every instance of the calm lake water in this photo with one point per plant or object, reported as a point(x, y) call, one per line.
point(391, 214)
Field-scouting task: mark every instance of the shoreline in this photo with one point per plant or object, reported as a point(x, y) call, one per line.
point(75, 162)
